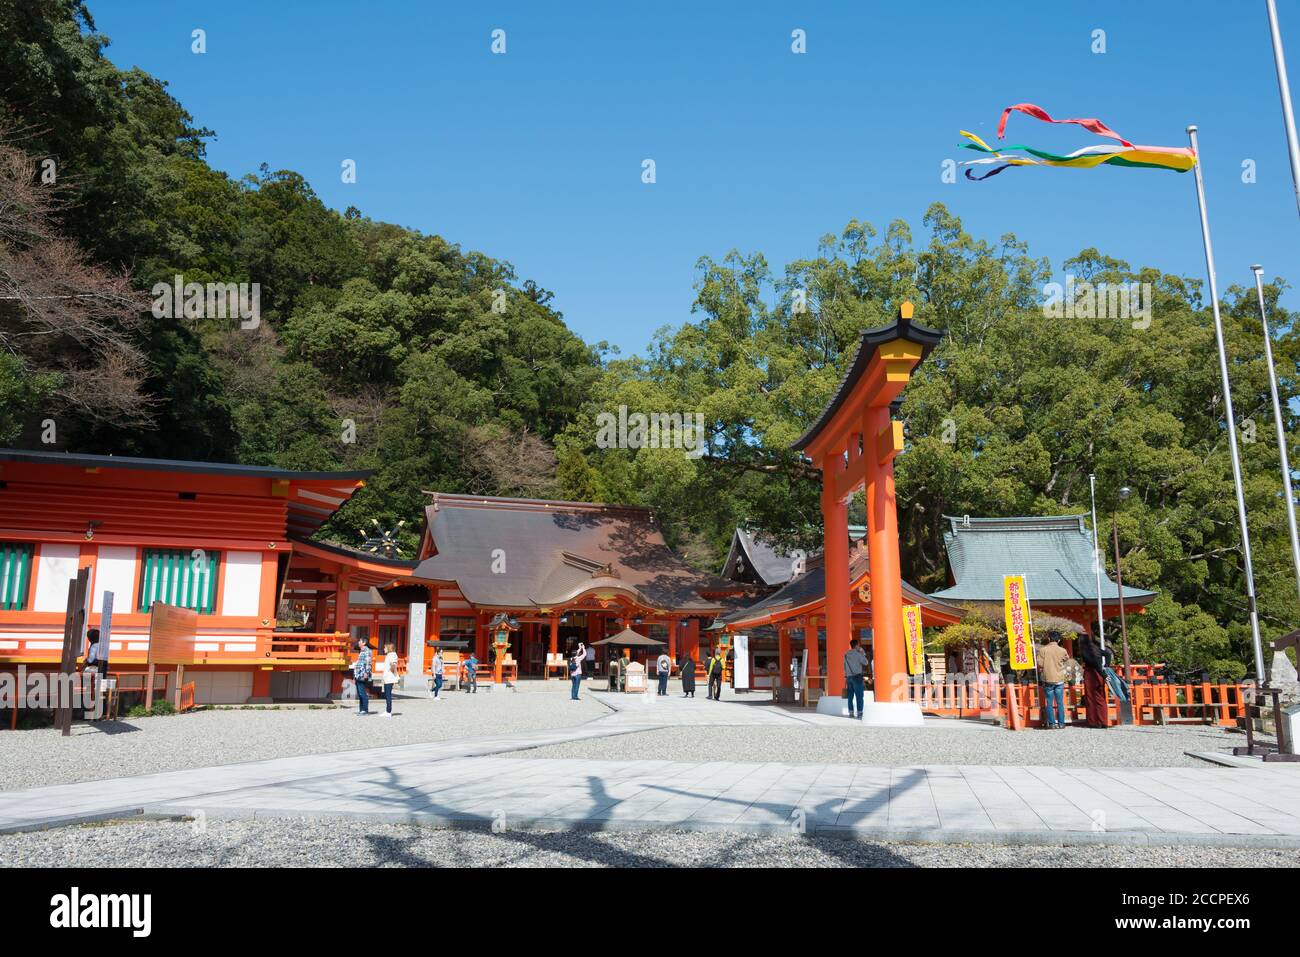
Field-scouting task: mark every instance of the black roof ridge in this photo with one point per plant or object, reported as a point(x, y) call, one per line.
point(87, 460)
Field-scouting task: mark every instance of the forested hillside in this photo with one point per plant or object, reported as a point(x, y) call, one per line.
point(378, 346)
point(387, 348)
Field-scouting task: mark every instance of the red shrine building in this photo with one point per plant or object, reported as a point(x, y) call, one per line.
point(275, 609)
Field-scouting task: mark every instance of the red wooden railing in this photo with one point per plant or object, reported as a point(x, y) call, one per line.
point(320, 647)
point(1220, 703)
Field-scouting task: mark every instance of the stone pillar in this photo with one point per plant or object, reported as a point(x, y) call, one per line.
point(415, 679)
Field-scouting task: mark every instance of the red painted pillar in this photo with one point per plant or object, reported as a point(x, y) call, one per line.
point(693, 639)
point(814, 652)
point(783, 653)
point(888, 647)
point(835, 522)
point(673, 625)
point(555, 633)
point(341, 620)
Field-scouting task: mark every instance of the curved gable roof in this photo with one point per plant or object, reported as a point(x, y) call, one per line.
point(1053, 552)
point(523, 553)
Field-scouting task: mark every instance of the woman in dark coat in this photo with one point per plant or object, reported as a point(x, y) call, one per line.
point(1095, 660)
point(688, 677)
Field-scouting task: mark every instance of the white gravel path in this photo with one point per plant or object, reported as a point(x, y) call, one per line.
point(304, 843)
point(101, 750)
point(902, 747)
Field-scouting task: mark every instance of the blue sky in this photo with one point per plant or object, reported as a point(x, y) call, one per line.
point(535, 156)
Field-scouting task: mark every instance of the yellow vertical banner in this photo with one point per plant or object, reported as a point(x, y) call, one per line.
point(915, 641)
point(1020, 633)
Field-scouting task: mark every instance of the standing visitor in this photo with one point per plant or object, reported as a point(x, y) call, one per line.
point(1095, 660)
point(665, 666)
point(576, 662)
point(438, 665)
point(714, 669)
point(361, 671)
point(471, 674)
point(855, 664)
point(1052, 659)
point(688, 677)
point(390, 677)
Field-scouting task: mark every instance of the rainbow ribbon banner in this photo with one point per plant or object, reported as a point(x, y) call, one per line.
point(915, 641)
point(1020, 633)
point(1178, 159)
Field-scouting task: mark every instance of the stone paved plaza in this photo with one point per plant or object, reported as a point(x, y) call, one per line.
point(513, 780)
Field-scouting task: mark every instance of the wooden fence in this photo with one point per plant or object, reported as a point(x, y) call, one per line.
point(1211, 703)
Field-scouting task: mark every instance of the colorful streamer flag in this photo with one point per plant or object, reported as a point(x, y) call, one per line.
point(1123, 153)
point(1020, 632)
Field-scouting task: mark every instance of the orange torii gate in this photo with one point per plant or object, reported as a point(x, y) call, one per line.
point(853, 444)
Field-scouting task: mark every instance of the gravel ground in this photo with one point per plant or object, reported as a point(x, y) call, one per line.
point(299, 843)
point(125, 748)
point(902, 747)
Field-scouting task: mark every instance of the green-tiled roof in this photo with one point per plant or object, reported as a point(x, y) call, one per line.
point(1054, 553)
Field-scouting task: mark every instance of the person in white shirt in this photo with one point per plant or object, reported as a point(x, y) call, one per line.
point(665, 668)
point(390, 677)
point(575, 670)
point(438, 665)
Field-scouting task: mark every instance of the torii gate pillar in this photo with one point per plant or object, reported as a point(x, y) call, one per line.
point(853, 444)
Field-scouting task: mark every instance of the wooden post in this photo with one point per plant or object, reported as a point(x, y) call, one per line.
point(74, 633)
point(180, 677)
point(148, 691)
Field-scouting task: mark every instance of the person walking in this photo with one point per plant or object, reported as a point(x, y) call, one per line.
point(715, 668)
point(1052, 660)
point(1095, 661)
point(361, 672)
point(391, 677)
point(688, 677)
point(438, 665)
point(471, 674)
point(576, 662)
point(665, 666)
point(855, 667)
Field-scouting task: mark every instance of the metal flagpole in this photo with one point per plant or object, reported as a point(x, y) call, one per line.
point(1096, 562)
point(1277, 421)
point(1284, 88)
point(1226, 385)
